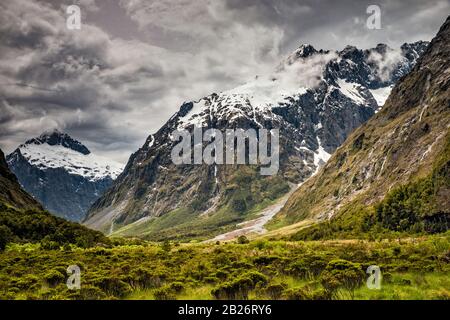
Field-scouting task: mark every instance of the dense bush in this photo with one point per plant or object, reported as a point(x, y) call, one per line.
point(342, 274)
point(275, 291)
point(33, 226)
point(164, 293)
point(413, 208)
point(242, 240)
point(86, 292)
point(279, 270)
point(54, 277)
point(113, 286)
point(239, 288)
point(306, 293)
point(5, 236)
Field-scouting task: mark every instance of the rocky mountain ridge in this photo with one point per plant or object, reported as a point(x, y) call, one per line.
point(315, 97)
point(401, 156)
point(62, 173)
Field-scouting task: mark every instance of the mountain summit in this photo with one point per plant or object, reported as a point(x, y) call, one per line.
point(56, 137)
point(394, 171)
point(62, 173)
point(315, 98)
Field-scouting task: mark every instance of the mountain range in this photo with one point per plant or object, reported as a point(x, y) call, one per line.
point(23, 219)
point(316, 98)
point(392, 173)
point(374, 200)
point(62, 174)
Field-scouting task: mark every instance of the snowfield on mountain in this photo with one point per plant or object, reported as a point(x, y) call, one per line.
point(62, 173)
point(316, 98)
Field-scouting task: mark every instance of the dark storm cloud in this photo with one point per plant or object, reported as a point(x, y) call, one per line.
point(331, 24)
point(133, 63)
point(80, 82)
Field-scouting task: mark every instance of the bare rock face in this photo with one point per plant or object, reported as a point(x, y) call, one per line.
point(315, 98)
point(409, 139)
point(62, 173)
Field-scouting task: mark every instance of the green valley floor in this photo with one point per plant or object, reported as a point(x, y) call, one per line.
point(412, 268)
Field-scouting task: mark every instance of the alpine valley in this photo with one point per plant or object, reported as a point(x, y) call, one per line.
point(392, 174)
point(315, 98)
point(358, 210)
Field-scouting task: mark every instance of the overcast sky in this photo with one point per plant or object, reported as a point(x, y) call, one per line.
point(133, 63)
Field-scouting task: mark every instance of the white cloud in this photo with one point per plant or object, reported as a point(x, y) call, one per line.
point(386, 63)
point(111, 92)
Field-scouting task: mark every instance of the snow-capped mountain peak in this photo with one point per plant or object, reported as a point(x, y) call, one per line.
point(291, 79)
point(316, 98)
point(55, 149)
point(62, 173)
point(56, 137)
point(303, 51)
point(365, 77)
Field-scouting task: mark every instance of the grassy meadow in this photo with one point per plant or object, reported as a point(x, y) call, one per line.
point(412, 268)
